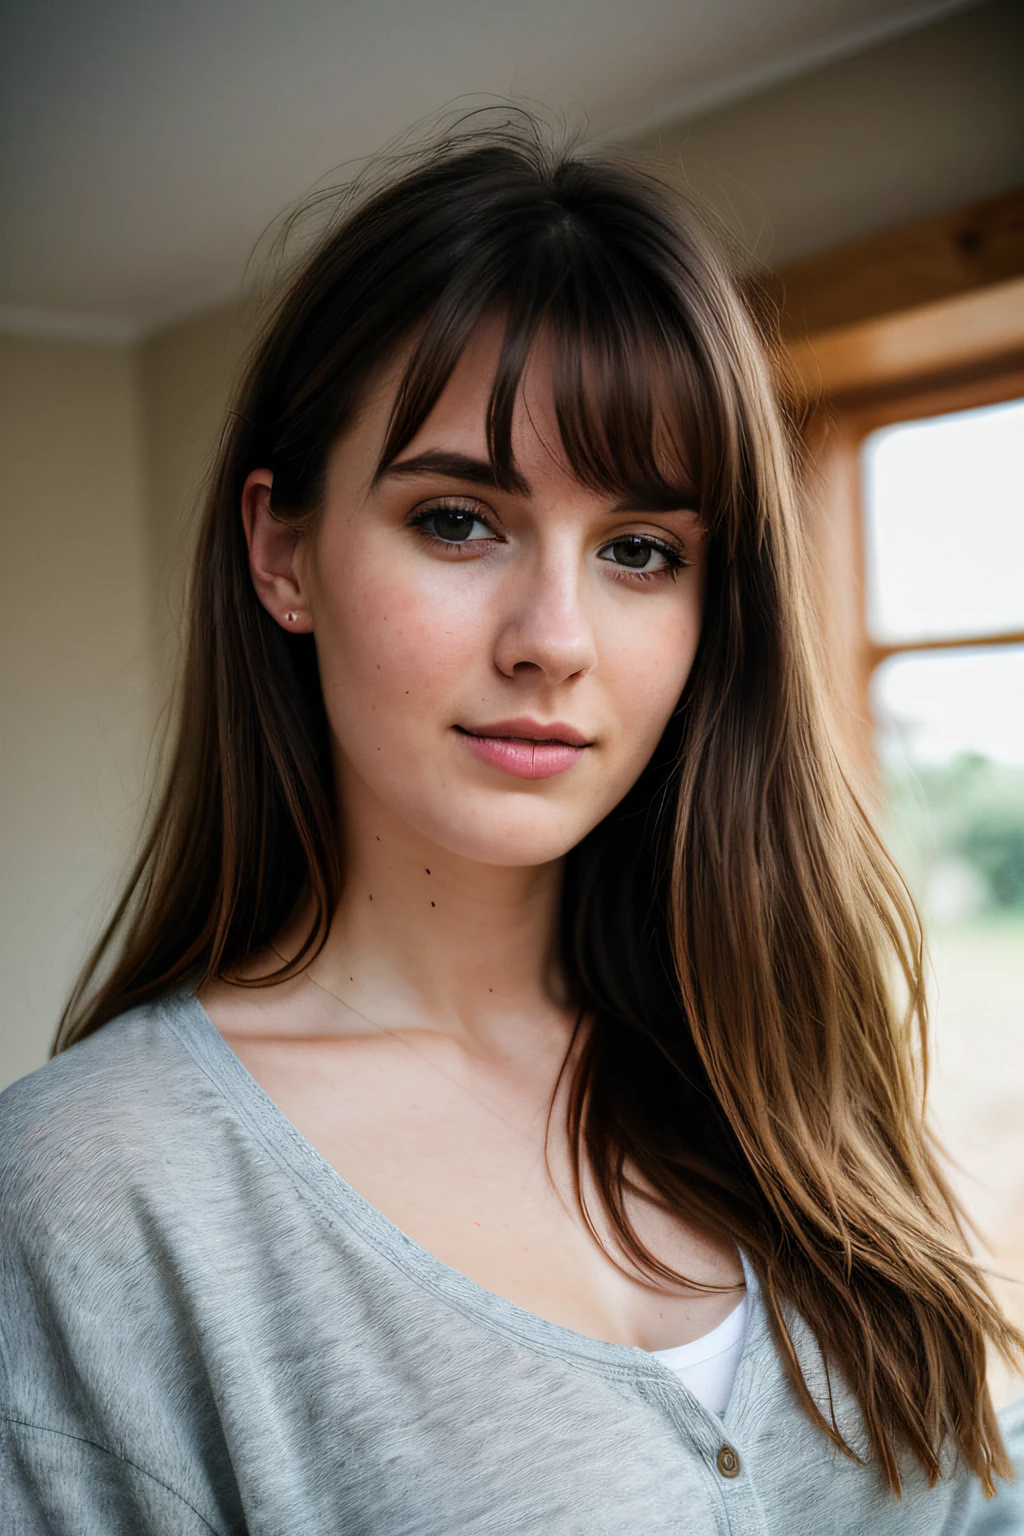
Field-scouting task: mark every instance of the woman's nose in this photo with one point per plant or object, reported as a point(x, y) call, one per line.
point(546, 627)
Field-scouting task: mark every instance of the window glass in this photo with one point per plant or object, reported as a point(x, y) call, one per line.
point(951, 740)
point(944, 507)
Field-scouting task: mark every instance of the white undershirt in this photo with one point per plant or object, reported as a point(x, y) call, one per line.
point(708, 1365)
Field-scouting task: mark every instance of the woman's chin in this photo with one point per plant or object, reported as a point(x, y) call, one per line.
point(523, 838)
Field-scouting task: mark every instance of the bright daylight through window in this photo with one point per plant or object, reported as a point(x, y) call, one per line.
point(944, 507)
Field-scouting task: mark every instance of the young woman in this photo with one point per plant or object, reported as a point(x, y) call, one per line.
point(494, 1112)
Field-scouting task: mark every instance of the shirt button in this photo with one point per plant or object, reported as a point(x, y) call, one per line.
point(727, 1461)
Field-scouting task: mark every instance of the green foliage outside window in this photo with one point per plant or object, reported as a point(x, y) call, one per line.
point(956, 828)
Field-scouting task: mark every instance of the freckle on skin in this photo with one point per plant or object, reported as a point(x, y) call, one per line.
point(476, 1223)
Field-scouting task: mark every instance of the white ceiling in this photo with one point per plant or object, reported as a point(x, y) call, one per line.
point(147, 146)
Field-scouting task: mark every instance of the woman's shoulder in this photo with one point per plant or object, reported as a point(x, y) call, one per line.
point(99, 1109)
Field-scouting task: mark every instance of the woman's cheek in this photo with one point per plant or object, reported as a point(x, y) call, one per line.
point(396, 649)
point(647, 673)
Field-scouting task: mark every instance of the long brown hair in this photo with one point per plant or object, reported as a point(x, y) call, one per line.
point(733, 930)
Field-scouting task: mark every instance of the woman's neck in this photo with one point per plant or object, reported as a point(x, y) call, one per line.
point(424, 938)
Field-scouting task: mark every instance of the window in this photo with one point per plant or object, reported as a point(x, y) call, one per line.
point(943, 509)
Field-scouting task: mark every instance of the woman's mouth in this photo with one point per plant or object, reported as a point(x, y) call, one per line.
point(527, 749)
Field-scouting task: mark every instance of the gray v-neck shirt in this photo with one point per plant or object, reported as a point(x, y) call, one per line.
point(204, 1328)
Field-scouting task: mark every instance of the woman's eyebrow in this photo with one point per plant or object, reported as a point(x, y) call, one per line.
point(463, 466)
point(456, 466)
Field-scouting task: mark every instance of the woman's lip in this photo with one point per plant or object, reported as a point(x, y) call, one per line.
point(527, 729)
point(525, 748)
point(523, 759)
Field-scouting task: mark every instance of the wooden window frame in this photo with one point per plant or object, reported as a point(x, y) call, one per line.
point(919, 405)
point(835, 526)
point(873, 362)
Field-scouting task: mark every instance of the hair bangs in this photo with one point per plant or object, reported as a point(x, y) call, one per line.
point(626, 387)
point(624, 411)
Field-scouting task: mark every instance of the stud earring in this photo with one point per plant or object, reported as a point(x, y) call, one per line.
point(291, 616)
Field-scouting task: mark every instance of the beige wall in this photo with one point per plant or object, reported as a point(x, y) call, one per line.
point(75, 691)
point(185, 376)
point(104, 450)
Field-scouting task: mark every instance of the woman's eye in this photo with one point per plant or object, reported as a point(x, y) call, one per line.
point(634, 553)
point(453, 525)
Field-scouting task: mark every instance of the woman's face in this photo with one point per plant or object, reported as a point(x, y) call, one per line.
point(497, 666)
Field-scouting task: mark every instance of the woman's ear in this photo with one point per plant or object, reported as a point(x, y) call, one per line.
point(273, 545)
